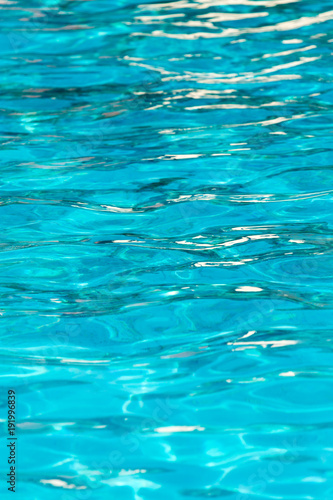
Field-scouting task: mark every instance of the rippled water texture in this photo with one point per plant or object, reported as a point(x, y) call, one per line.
point(166, 239)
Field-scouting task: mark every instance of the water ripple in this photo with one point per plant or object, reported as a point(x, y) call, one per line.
point(166, 247)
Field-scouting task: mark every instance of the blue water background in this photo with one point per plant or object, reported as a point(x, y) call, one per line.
point(166, 248)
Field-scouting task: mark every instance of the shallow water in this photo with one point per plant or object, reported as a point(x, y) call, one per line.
point(166, 248)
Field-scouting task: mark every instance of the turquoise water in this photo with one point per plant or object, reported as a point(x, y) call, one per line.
point(166, 248)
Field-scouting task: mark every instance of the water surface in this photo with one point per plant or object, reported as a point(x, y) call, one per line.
point(166, 248)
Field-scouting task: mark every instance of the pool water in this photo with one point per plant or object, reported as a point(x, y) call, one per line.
point(166, 248)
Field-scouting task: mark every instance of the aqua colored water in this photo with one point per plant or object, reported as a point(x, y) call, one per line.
point(166, 248)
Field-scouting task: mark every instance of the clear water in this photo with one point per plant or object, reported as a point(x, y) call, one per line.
point(166, 248)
